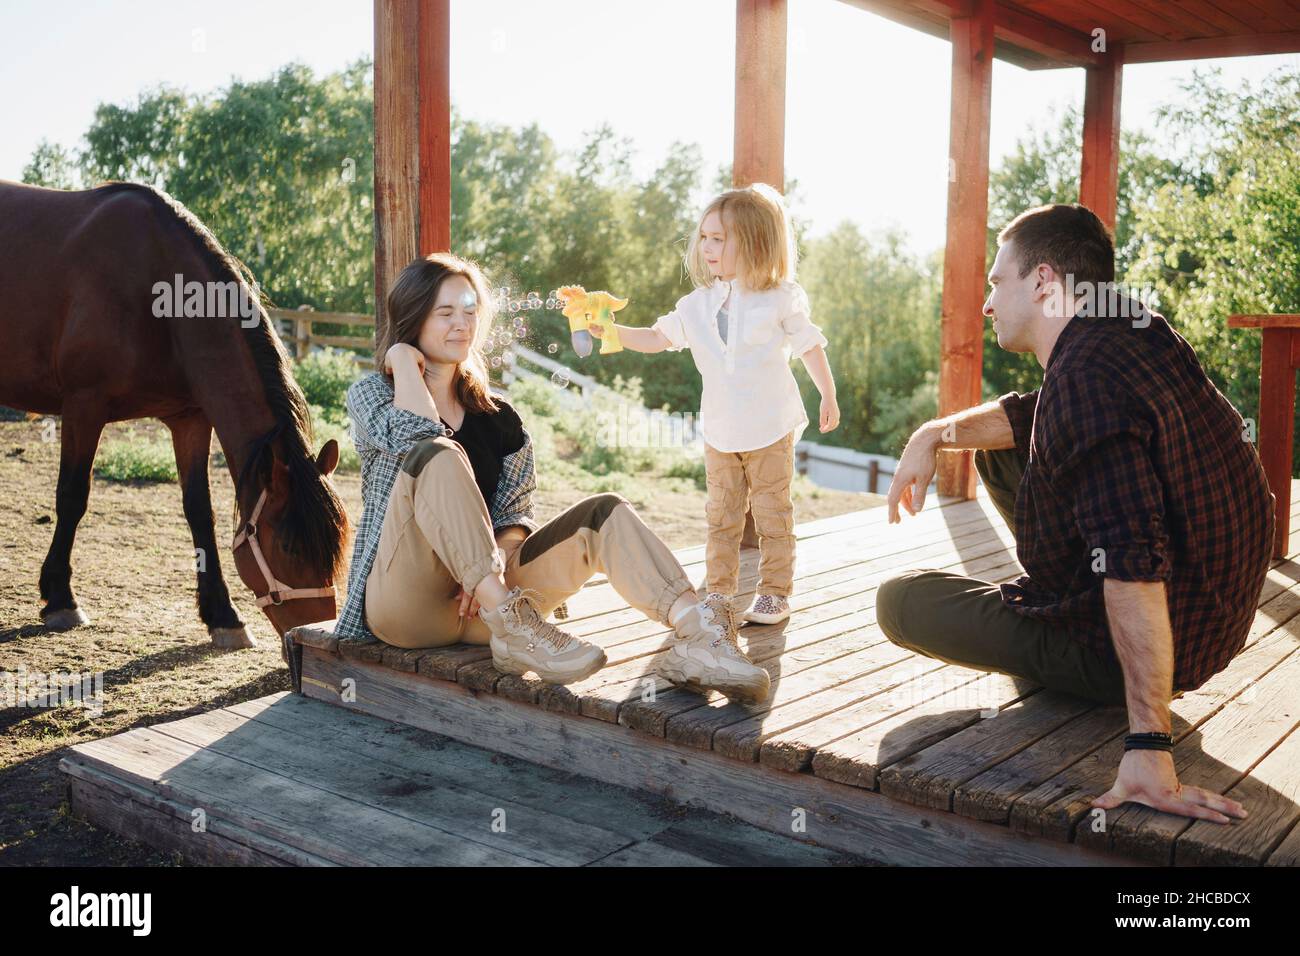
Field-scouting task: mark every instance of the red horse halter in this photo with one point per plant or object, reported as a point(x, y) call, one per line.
point(278, 592)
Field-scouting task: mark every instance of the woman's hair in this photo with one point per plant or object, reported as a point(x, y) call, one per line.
point(411, 299)
point(756, 220)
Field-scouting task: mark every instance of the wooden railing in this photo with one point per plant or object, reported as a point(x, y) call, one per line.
point(1279, 359)
point(303, 337)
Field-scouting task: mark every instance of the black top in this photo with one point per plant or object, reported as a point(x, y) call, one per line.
point(487, 439)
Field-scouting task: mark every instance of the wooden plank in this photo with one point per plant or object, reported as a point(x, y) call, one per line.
point(742, 740)
point(649, 853)
point(1271, 795)
point(800, 675)
point(408, 749)
point(1277, 321)
point(603, 695)
point(414, 790)
point(1060, 804)
point(969, 696)
point(1216, 755)
point(850, 820)
point(962, 335)
point(311, 315)
point(930, 777)
point(139, 814)
point(991, 795)
point(1280, 605)
point(1260, 44)
point(288, 811)
point(857, 759)
point(741, 845)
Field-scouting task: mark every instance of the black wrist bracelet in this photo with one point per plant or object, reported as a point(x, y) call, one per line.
point(1152, 740)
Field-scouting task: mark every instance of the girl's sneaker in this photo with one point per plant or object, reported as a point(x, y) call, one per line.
point(769, 609)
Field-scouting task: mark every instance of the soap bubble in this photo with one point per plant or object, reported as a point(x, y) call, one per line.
point(560, 379)
point(552, 348)
point(521, 333)
point(519, 321)
point(496, 361)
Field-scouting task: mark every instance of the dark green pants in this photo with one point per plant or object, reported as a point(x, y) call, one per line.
point(963, 621)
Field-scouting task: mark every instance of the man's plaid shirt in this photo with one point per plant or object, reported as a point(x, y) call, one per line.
point(383, 434)
point(1135, 458)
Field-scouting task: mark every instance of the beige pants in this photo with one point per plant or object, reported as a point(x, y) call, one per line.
point(437, 538)
point(761, 477)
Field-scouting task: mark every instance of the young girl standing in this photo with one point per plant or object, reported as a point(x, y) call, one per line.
point(744, 321)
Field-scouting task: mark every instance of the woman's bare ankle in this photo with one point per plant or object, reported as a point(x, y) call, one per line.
point(491, 591)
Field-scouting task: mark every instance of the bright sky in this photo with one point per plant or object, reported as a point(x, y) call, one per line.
point(867, 102)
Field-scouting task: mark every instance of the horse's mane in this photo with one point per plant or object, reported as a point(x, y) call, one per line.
point(315, 522)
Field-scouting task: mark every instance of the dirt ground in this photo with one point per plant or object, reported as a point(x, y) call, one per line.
point(133, 576)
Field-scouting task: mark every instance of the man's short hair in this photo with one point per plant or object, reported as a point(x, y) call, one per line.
point(1068, 237)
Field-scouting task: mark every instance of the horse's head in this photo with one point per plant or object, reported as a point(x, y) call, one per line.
point(289, 545)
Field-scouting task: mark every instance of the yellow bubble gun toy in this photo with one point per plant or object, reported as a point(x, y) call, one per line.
point(582, 308)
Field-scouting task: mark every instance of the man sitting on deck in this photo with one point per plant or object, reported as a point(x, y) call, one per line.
point(1140, 509)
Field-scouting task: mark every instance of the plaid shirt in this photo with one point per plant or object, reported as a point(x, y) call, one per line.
point(383, 434)
point(1136, 460)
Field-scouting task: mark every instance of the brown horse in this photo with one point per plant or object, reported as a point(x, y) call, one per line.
point(88, 336)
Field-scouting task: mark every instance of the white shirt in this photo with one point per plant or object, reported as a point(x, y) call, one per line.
point(750, 396)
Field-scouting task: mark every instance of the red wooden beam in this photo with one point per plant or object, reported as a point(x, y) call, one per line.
point(964, 269)
point(1099, 172)
point(1258, 44)
point(760, 93)
point(435, 126)
point(412, 137)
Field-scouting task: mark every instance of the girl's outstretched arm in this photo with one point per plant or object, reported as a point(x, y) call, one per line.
point(647, 340)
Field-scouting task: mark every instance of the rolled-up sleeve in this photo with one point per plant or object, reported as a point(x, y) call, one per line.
point(800, 332)
point(673, 326)
point(1020, 409)
point(380, 425)
point(1095, 443)
point(513, 502)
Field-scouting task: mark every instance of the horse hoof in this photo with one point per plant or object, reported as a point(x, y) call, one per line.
point(231, 638)
point(64, 619)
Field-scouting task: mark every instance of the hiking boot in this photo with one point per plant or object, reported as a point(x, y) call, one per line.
point(522, 641)
point(706, 654)
point(768, 609)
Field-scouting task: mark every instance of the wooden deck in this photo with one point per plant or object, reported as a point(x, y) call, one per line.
point(283, 780)
point(863, 748)
point(888, 754)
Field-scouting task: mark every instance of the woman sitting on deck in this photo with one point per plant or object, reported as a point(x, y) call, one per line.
point(447, 549)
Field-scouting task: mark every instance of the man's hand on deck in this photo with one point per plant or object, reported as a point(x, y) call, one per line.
point(914, 473)
point(1148, 777)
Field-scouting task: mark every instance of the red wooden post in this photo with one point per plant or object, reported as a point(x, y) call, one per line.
point(759, 152)
point(962, 340)
point(760, 93)
point(1099, 171)
point(1277, 424)
point(412, 136)
point(1279, 359)
point(435, 126)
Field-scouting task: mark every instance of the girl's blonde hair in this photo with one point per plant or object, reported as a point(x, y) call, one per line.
point(410, 301)
point(756, 219)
